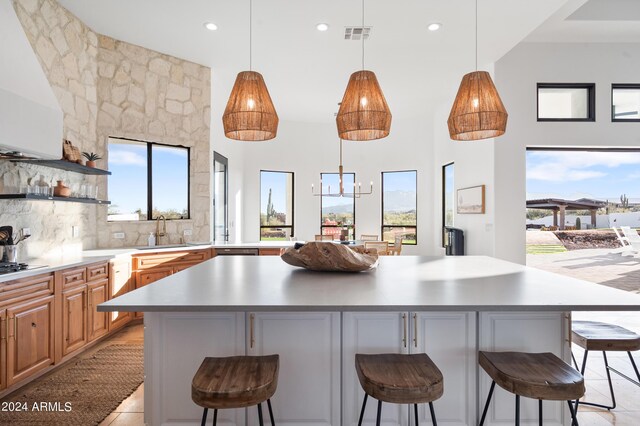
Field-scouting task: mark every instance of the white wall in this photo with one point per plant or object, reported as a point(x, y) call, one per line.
point(516, 75)
point(308, 149)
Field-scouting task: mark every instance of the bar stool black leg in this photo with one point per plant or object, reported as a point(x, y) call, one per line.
point(517, 410)
point(574, 419)
point(273, 422)
point(540, 417)
point(215, 417)
point(379, 413)
point(573, 357)
point(260, 421)
point(633, 363)
point(204, 417)
point(364, 405)
point(486, 405)
point(433, 415)
point(415, 413)
point(613, 396)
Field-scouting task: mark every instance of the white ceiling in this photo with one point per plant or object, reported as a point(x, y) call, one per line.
point(307, 70)
point(592, 21)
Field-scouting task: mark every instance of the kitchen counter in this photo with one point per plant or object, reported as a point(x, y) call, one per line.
point(458, 283)
point(98, 255)
point(448, 307)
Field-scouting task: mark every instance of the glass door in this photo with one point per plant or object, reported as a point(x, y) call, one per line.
point(220, 198)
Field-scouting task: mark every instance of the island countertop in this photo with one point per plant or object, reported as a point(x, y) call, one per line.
point(461, 283)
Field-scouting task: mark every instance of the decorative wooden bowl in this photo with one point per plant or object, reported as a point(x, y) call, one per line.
point(328, 256)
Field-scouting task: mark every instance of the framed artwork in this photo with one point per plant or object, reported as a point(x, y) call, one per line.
point(470, 200)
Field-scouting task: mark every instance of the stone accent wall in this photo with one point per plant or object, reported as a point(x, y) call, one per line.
point(108, 88)
point(148, 96)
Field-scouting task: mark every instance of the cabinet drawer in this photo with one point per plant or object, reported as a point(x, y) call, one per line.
point(26, 288)
point(97, 272)
point(73, 277)
point(269, 251)
point(167, 259)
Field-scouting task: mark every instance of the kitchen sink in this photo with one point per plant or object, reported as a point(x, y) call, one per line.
point(172, 246)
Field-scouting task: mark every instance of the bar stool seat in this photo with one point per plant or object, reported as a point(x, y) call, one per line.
point(600, 336)
point(541, 376)
point(235, 382)
point(399, 379)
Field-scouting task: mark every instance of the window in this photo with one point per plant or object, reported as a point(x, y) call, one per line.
point(276, 205)
point(399, 206)
point(447, 195)
point(148, 180)
point(566, 102)
point(625, 102)
point(337, 213)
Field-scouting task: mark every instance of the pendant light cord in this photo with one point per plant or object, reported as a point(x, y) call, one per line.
point(363, 35)
point(250, 32)
point(476, 35)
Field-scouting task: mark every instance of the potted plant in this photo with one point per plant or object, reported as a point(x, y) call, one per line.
point(91, 157)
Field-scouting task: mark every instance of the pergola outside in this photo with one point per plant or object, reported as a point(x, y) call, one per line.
point(558, 205)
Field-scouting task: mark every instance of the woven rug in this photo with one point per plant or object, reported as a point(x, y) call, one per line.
point(82, 393)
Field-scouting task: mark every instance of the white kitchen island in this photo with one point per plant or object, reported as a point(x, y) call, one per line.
point(447, 307)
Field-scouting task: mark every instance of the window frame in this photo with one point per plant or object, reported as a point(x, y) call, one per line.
point(591, 100)
point(354, 204)
point(383, 226)
point(623, 86)
point(293, 202)
point(444, 197)
point(150, 145)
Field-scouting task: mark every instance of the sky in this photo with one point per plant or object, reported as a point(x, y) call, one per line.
point(277, 182)
point(577, 174)
point(128, 180)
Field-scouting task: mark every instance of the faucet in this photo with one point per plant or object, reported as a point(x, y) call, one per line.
point(161, 231)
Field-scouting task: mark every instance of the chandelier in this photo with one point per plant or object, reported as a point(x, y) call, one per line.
point(357, 190)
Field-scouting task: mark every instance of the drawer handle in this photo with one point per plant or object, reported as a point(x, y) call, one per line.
point(415, 330)
point(404, 330)
point(252, 336)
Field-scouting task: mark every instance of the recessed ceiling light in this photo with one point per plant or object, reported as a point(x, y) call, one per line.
point(322, 27)
point(434, 26)
point(210, 26)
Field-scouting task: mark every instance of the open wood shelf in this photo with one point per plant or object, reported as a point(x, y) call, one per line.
point(66, 165)
point(48, 198)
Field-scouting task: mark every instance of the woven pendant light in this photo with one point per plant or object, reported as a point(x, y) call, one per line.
point(477, 112)
point(250, 114)
point(364, 114)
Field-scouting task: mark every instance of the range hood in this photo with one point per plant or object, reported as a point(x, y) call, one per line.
point(30, 116)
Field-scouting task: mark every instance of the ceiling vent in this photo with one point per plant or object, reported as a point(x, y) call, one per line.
point(356, 33)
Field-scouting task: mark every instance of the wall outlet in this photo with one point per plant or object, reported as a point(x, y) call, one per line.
point(26, 231)
point(118, 235)
point(75, 231)
point(187, 232)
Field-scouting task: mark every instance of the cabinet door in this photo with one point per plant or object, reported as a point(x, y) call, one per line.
point(119, 284)
point(370, 333)
point(525, 332)
point(309, 381)
point(4, 332)
point(449, 338)
point(97, 322)
point(74, 319)
point(175, 345)
point(30, 343)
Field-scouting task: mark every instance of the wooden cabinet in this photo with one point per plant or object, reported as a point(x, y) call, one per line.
point(269, 251)
point(97, 322)
point(120, 282)
point(147, 277)
point(74, 319)
point(73, 277)
point(447, 337)
point(309, 347)
point(30, 340)
point(4, 331)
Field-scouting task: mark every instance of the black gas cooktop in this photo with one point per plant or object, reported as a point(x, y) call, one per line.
point(9, 267)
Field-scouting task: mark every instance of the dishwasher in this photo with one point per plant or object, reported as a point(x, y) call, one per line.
point(236, 251)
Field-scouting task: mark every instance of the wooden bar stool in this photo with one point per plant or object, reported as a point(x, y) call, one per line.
point(400, 379)
point(235, 382)
point(600, 336)
point(541, 376)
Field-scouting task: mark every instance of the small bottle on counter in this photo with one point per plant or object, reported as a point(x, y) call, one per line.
point(152, 239)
